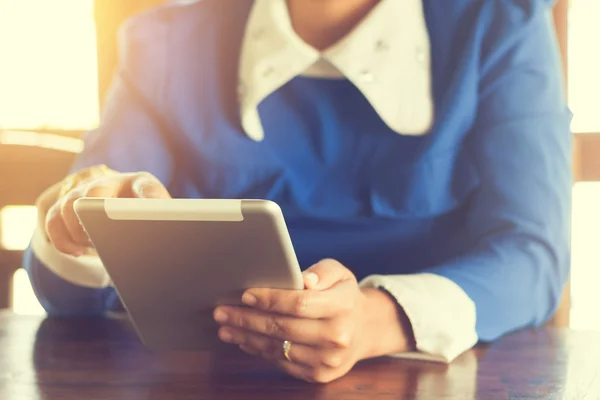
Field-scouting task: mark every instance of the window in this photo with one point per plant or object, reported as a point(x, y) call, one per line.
point(49, 76)
point(584, 100)
point(49, 81)
point(584, 64)
point(585, 276)
point(24, 300)
point(16, 226)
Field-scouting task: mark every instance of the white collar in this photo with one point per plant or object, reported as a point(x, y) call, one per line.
point(387, 57)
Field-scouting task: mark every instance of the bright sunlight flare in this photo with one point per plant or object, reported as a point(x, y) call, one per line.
point(584, 64)
point(16, 226)
point(48, 65)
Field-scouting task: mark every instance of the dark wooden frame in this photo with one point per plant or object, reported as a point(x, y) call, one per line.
point(587, 157)
point(26, 171)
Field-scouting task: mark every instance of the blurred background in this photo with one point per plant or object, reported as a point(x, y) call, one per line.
point(57, 58)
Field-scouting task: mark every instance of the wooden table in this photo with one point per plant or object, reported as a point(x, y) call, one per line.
point(103, 359)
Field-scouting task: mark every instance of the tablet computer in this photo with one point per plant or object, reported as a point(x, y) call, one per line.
point(172, 261)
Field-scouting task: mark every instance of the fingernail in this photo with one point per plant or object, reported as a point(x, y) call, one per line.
point(249, 299)
point(311, 278)
point(220, 316)
point(225, 335)
point(140, 187)
point(78, 252)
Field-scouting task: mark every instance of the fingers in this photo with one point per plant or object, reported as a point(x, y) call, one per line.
point(58, 233)
point(278, 327)
point(314, 304)
point(307, 363)
point(311, 332)
point(133, 185)
point(298, 371)
point(272, 349)
point(318, 321)
point(61, 222)
point(330, 293)
point(145, 185)
point(325, 274)
point(76, 232)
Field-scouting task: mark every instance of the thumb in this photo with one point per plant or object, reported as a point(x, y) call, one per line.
point(326, 274)
point(147, 186)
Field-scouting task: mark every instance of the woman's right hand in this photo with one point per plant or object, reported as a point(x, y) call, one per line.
point(56, 212)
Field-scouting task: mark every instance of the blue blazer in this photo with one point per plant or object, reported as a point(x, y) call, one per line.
point(483, 199)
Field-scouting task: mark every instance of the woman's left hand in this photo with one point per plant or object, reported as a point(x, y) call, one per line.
point(329, 324)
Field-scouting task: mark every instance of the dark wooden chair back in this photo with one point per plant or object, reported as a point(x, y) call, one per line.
point(29, 164)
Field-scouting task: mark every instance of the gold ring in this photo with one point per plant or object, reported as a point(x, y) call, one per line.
point(287, 346)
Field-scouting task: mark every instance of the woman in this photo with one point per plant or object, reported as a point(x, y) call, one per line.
point(420, 148)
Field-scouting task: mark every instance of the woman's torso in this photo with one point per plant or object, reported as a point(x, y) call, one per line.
point(349, 186)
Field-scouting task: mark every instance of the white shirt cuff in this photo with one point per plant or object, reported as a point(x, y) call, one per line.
point(441, 314)
point(87, 271)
